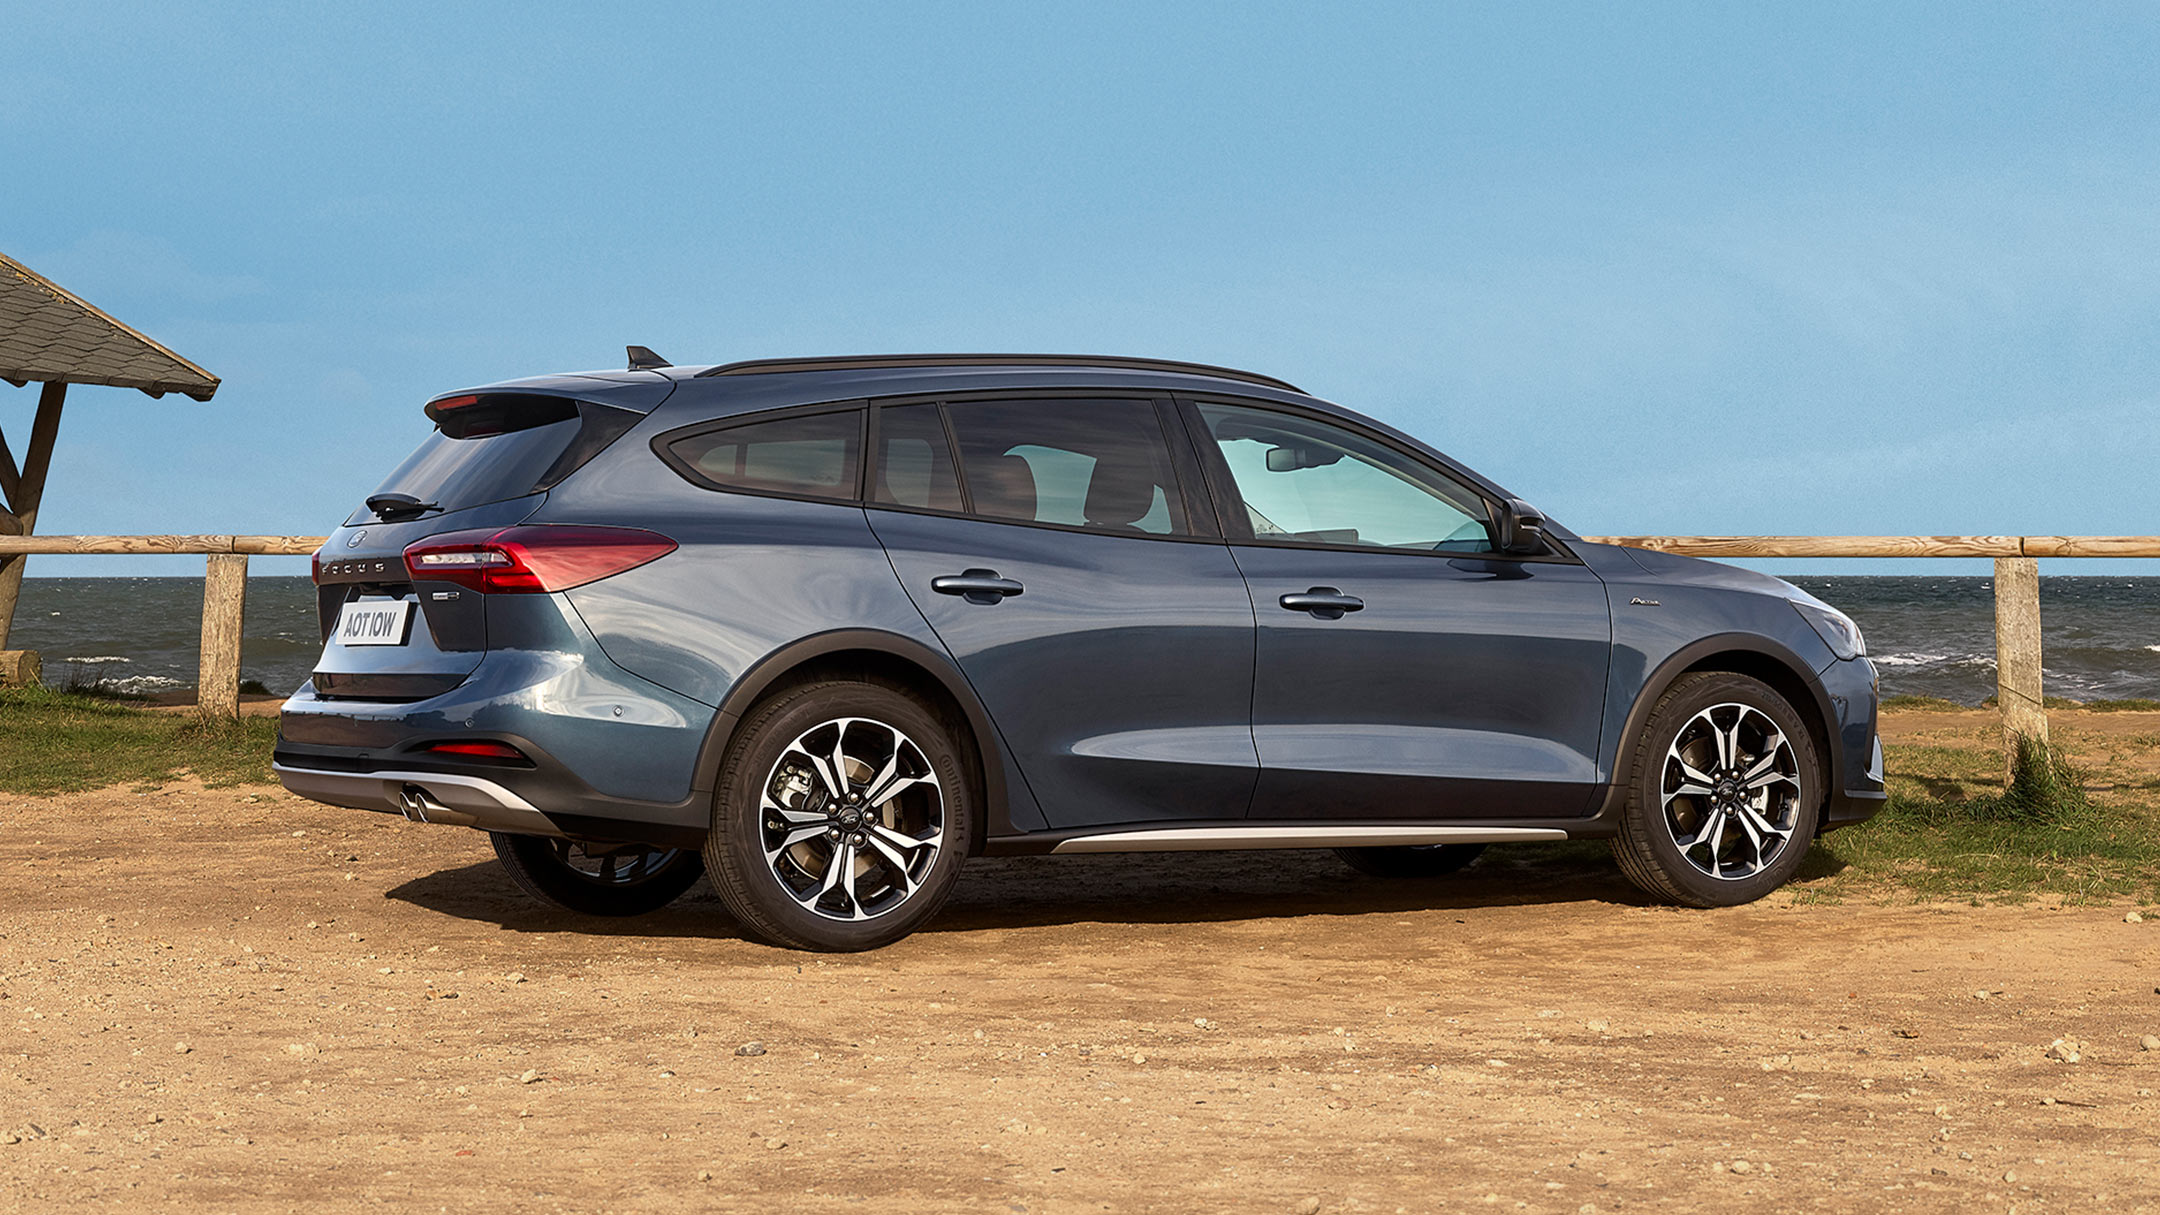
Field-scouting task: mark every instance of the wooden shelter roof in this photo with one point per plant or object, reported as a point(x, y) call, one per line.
point(48, 333)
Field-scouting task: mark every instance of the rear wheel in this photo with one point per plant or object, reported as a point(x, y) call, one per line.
point(844, 812)
point(594, 878)
point(1725, 793)
point(1411, 860)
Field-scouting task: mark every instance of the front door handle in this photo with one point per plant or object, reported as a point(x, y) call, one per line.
point(976, 586)
point(1324, 602)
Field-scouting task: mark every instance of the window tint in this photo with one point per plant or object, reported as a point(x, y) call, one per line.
point(815, 455)
point(1099, 464)
point(1319, 484)
point(504, 447)
point(914, 463)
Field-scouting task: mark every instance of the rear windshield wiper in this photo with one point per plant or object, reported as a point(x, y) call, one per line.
point(387, 506)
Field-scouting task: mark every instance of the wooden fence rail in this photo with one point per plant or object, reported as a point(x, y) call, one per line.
point(2018, 695)
point(2017, 591)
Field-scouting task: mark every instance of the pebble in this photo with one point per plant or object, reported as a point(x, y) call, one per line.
point(1139, 1058)
point(750, 1049)
point(704, 1176)
point(2065, 1050)
point(181, 1048)
point(515, 976)
point(531, 1076)
point(2149, 1042)
point(1742, 1166)
point(1597, 1027)
point(1307, 1206)
point(774, 1145)
point(2133, 918)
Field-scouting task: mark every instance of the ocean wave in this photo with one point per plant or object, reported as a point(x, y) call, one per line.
point(1931, 660)
point(138, 685)
point(2154, 648)
point(99, 658)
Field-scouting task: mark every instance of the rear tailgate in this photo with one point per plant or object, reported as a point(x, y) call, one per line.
point(489, 464)
point(441, 628)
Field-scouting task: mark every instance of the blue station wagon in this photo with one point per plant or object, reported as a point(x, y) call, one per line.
point(822, 629)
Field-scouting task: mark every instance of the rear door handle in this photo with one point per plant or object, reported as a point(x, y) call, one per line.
point(1324, 602)
point(976, 586)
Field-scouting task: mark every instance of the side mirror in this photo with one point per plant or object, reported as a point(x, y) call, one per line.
point(1521, 527)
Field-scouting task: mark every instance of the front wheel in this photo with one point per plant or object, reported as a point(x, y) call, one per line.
point(1725, 793)
point(844, 810)
point(594, 878)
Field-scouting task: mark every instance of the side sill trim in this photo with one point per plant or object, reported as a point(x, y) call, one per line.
point(1205, 839)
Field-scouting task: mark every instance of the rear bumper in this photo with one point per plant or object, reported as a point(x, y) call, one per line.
point(424, 797)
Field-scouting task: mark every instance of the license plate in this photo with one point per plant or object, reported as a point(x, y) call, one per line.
point(374, 623)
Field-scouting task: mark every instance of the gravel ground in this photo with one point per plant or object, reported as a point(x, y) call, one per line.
point(229, 999)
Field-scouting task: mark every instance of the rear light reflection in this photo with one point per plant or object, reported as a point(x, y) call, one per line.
point(534, 559)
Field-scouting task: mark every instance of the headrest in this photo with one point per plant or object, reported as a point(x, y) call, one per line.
point(1003, 486)
point(1118, 496)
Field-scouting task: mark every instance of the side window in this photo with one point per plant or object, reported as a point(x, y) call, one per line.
point(1305, 481)
point(1100, 464)
point(815, 455)
point(914, 462)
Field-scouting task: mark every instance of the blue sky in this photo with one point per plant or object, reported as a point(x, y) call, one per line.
point(1658, 268)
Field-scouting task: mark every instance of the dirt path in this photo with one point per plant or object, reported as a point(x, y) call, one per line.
point(232, 1000)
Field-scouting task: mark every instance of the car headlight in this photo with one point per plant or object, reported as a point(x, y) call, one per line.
point(1835, 628)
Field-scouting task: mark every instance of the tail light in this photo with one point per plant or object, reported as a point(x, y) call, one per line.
point(533, 559)
point(314, 567)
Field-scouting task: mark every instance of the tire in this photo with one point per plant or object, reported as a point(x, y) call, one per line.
point(1412, 860)
point(808, 860)
point(597, 879)
point(1705, 827)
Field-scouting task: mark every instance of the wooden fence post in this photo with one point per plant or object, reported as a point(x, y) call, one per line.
point(2017, 656)
point(224, 604)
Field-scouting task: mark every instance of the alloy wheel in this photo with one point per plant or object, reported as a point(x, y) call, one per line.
point(852, 818)
point(1731, 791)
point(613, 865)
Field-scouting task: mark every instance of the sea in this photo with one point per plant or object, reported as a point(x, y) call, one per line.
point(1930, 636)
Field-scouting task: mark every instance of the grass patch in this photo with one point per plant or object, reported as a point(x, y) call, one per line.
point(55, 741)
point(1930, 704)
point(1953, 831)
point(2131, 705)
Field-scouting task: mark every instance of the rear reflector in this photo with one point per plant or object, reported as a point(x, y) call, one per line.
point(533, 559)
point(478, 750)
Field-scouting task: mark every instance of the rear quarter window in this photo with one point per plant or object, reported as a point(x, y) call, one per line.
point(809, 455)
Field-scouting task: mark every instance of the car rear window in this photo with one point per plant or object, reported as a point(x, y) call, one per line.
point(502, 448)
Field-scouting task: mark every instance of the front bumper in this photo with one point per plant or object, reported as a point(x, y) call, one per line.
point(1857, 760)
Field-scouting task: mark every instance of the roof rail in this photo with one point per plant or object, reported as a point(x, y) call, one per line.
point(853, 361)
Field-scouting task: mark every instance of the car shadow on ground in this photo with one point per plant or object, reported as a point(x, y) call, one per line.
point(1132, 888)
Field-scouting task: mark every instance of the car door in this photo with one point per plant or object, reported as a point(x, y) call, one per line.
point(1053, 546)
point(1403, 667)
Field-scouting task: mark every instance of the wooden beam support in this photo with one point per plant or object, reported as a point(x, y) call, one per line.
point(10, 477)
point(29, 491)
point(224, 612)
point(2018, 689)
